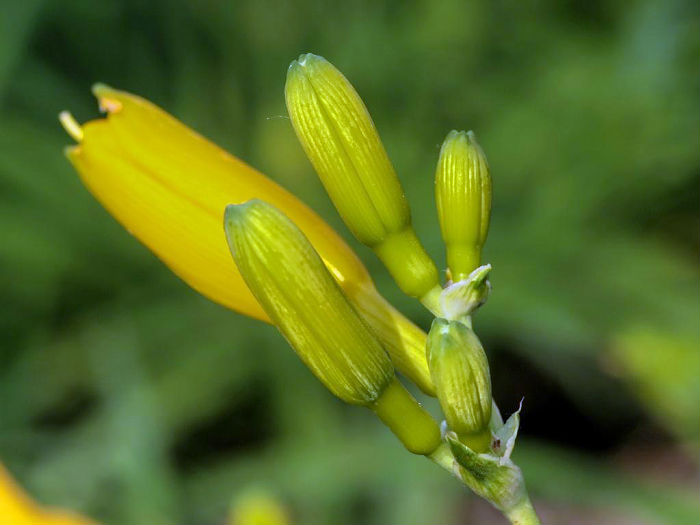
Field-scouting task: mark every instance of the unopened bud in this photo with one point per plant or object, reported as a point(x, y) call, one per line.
point(293, 286)
point(463, 197)
point(297, 292)
point(460, 371)
point(339, 137)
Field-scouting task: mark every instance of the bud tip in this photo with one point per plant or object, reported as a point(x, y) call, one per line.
point(107, 97)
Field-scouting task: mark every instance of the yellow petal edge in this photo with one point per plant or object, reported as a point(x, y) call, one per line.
point(18, 508)
point(169, 186)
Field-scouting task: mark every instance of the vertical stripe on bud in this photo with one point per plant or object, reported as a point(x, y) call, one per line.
point(293, 286)
point(461, 375)
point(463, 197)
point(339, 137)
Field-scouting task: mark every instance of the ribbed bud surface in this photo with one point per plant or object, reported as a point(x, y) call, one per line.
point(460, 372)
point(293, 286)
point(463, 198)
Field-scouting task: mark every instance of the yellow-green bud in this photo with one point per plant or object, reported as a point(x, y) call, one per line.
point(339, 137)
point(295, 289)
point(460, 371)
point(297, 292)
point(463, 197)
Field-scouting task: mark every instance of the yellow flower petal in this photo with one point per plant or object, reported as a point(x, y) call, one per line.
point(169, 187)
point(17, 508)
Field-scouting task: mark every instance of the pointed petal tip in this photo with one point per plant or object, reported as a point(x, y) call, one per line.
point(480, 273)
point(108, 97)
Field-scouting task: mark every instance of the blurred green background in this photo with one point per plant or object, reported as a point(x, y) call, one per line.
point(125, 395)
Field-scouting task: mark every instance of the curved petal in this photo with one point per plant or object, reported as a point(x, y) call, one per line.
point(169, 186)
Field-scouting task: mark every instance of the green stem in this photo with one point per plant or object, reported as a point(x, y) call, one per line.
point(523, 513)
point(431, 300)
point(443, 457)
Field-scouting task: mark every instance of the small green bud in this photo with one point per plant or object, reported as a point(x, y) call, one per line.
point(295, 289)
point(460, 371)
point(463, 197)
point(459, 300)
point(342, 143)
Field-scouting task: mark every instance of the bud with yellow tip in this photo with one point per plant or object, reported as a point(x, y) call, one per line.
point(463, 198)
point(339, 137)
point(295, 289)
point(461, 375)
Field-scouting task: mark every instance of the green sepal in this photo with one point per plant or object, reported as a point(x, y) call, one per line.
point(460, 299)
point(504, 437)
point(496, 421)
point(496, 479)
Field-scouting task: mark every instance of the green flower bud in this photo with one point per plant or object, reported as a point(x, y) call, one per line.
point(463, 197)
point(297, 292)
point(339, 137)
point(460, 371)
point(295, 289)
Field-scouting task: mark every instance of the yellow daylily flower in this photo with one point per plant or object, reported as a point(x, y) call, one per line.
point(169, 186)
point(17, 508)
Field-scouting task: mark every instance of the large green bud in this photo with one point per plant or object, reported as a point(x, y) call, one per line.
point(460, 371)
point(342, 143)
point(295, 289)
point(463, 198)
point(297, 292)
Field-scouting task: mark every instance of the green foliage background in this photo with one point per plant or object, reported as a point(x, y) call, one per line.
point(127, 396)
